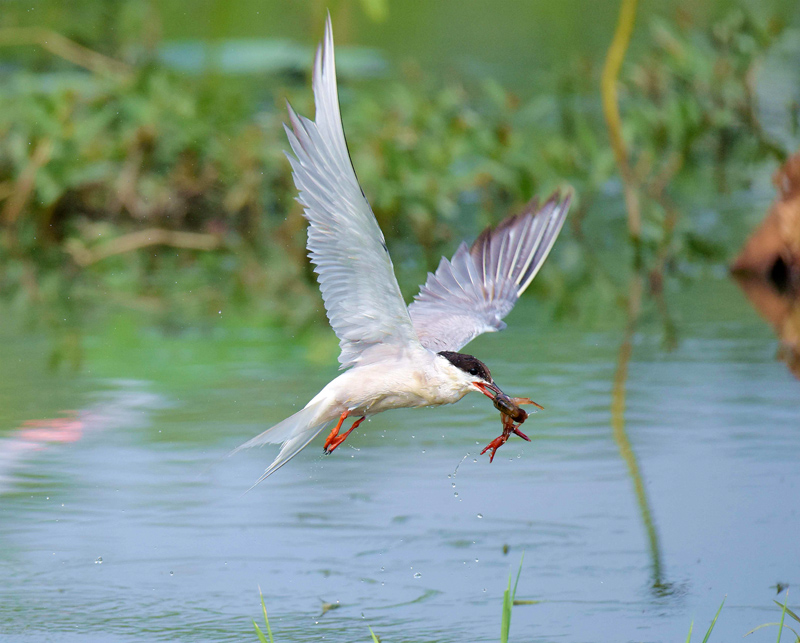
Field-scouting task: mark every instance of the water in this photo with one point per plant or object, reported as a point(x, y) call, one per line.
point(120, 519)
point(653, 487)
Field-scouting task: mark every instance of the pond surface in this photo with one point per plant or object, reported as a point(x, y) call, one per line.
point(121, 519)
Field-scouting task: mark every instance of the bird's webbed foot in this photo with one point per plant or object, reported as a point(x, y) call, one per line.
point(334, 439)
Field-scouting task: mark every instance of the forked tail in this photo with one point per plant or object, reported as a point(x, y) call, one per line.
point(294, 433)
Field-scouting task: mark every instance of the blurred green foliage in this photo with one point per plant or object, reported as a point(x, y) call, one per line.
point(88, 158)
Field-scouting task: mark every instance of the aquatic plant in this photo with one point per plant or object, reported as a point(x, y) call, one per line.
point(509, 600)
point(136, 184)
point(780, 624)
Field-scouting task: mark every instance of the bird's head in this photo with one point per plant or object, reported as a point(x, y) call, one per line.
point(474, 372)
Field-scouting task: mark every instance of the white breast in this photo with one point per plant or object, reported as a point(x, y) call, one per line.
point(412, 380)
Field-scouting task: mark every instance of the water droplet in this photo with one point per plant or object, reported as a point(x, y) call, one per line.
point(474, 459)
point(383, 569)
point(453, 484)
point(423, 450)
point(480, 515)
point(99, 560)
point(484, 589)
point(417, 575)
point(477, 561)
point(455, 493)
point(172, 573)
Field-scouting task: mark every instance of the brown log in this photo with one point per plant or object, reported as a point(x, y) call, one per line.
point(773, 250)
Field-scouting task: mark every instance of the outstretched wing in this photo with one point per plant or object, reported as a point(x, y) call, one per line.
point(470, 294)
point(355, 272)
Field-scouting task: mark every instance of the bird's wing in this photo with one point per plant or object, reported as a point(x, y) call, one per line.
point(355, 272)
point(470, 294)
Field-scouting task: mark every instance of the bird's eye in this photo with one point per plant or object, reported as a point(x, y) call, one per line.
point(473, 371)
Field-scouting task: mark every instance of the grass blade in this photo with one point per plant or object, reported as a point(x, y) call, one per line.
point(788, 611)
point(783, 615)
point(261, 636)
point(689, 636)
point(714, 622)
point(266, 620)
point(508, 603)
point(374, 638)
point(755, 629)
point(505, 622)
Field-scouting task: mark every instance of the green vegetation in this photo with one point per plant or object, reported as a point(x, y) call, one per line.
point(509, 601)
point(131, 183)
point(784, 611)
point(260, 634)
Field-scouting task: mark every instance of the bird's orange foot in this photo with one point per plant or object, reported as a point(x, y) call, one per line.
point(334, 433)
point(334, 440)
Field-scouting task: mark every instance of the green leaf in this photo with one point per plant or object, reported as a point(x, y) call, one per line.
point(266, 620)
point(375, 639)
point(755, 629)
point(261, 636)
point(508, 602)
point(505, 623)
point(711, 627)
point(788, 611)
point(783, 616)
point(514, 593)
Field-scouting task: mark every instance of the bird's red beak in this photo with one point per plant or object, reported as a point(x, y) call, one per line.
point(493, 391)
point(489, 390)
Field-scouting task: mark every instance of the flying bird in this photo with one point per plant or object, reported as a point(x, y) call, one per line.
point(394, 356)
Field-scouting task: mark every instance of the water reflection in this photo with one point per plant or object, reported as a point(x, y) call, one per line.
point(185, 555)
point(768, 267)
point(621, 435)
point(124, 408)
point(782, 311)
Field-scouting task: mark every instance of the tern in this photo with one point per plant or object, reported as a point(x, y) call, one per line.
point(394, 356)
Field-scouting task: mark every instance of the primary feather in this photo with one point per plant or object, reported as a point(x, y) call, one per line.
point(471, 293)
point(345, 243)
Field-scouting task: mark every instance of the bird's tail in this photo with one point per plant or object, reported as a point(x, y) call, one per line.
point(294, 433)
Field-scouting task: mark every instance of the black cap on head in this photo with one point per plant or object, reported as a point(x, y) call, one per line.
point(468, 364)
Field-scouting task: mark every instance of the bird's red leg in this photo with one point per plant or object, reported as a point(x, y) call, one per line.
point(335, 431)
point(332, 443)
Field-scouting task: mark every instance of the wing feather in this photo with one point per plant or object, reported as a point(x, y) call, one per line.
point(354, 270)
point(471, 293)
